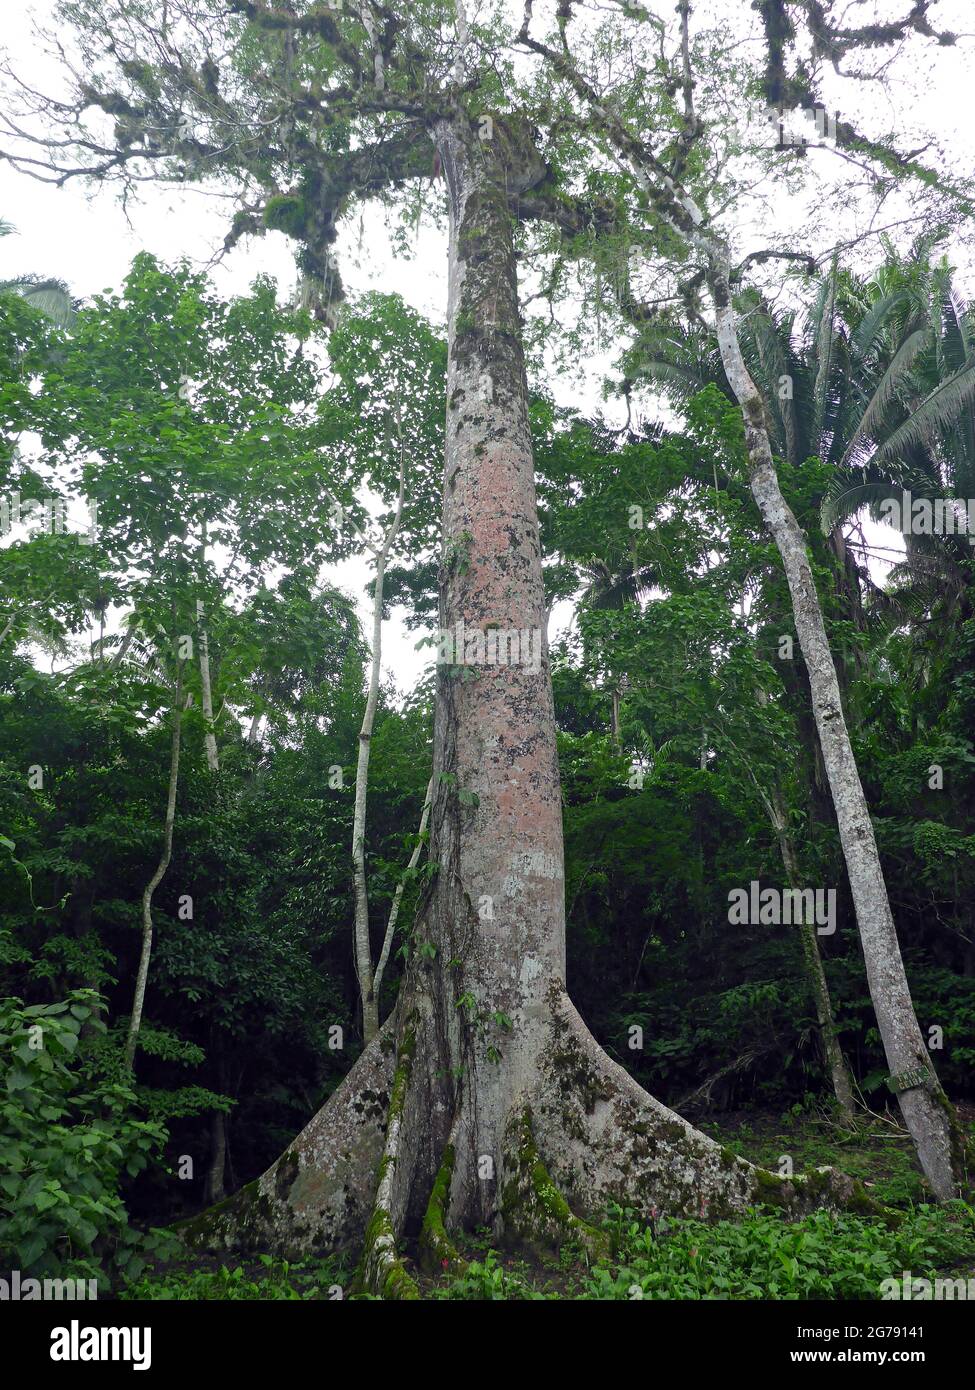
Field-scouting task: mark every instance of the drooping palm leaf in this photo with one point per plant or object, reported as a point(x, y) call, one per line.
point(934, 414)
point(893, 379)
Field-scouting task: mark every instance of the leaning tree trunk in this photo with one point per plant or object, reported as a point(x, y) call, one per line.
point(485, 1100)
point(926, 1110)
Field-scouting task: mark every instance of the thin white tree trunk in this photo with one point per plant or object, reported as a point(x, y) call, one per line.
point(206, 699)
point(923, 1104)
point(927, 1112)
point(368, 993)
point(398, 895)
point(206, 690)
point(142, 975)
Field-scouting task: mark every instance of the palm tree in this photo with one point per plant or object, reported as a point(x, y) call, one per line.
point(917, 435)
point(877, 378)
point(51, 297)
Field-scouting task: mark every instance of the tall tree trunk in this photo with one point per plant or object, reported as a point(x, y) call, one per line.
point(484, 1099)
point(142, 974)
point(497, 908)
point(925, 1108)
point(927, 1112)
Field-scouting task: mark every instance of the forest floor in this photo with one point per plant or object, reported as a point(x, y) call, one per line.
point(760, 1256)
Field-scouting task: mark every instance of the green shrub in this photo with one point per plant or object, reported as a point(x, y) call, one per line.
point(66, 1139)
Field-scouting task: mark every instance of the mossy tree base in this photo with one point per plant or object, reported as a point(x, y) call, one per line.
point(535, 1217)
point(609, 1141)
point(582, 1136)
point(319, 1194)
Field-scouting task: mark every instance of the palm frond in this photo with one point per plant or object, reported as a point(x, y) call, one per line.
point(938, 412)
point(886, 390)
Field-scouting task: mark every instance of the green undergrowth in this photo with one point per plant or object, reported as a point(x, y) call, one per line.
point(260, 1280)
point(759, 1256)
point(876, 1152)
point(824, 1256)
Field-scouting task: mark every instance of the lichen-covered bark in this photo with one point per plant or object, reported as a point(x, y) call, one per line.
point(607, 1140)
point(319, 1194)
point(380, 1267)
point(534, 1211)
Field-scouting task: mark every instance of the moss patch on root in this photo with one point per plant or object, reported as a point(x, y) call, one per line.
point(825, 1189)
point(534, 1212)
point(437, 1250)
point(380, 1270)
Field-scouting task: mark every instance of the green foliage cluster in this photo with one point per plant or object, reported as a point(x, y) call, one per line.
point(69, 1131)
point(823, 1256)
point(269, 1279)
